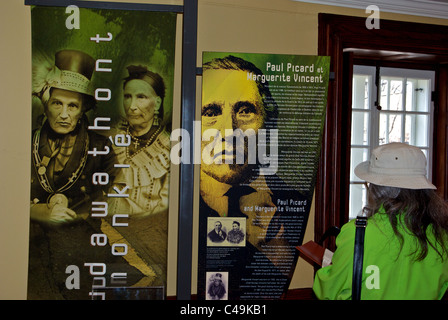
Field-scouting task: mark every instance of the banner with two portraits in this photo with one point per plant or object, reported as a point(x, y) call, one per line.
point(101, 109)
point(262, 123)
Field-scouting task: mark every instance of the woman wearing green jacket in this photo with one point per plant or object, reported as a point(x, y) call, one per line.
point(406, 238)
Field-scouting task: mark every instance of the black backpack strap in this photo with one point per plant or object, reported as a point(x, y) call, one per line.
point(361, 223)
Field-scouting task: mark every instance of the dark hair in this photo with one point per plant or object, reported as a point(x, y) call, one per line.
point(152, 78)
point(235, 63)
point(421, 208)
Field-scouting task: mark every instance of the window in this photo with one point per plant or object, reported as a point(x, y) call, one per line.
point(400, 110)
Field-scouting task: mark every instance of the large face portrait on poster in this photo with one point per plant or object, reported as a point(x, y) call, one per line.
point(102, 103)
point(262, 119)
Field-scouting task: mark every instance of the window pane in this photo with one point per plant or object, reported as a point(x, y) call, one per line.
point(391, 93)
point(360, 91)
point(384, 94)
point(418, 94)
point(416, 130)
point(357, 156)
point(360, 128)
point(390, 128)
point(396, 95)
point(357, 199)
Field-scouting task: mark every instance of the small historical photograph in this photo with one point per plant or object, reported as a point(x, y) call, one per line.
point(226, 231)
point(217, 285)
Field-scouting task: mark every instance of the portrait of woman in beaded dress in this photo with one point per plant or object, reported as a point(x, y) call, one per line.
point(148, 154)
point(145, 172)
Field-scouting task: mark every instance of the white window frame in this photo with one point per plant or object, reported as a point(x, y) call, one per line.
point(374, 114)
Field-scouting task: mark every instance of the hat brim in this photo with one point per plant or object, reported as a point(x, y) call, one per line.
point(399, 181)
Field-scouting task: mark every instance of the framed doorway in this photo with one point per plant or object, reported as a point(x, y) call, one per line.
point(396, 44)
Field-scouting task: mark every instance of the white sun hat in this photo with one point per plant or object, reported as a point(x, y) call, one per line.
point(396, 165)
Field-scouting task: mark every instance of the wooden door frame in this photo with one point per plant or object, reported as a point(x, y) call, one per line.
point(398, 43)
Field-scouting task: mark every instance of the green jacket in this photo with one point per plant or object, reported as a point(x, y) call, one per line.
point(388, 273)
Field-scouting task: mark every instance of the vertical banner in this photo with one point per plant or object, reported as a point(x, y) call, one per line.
point(262, 123)
point(102, 85)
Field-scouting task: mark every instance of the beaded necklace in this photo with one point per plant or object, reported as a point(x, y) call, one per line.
point(137, 141)
point(41, 166)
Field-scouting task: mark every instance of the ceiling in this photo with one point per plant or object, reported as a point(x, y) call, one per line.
point(395, 56)
point(426, 8)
